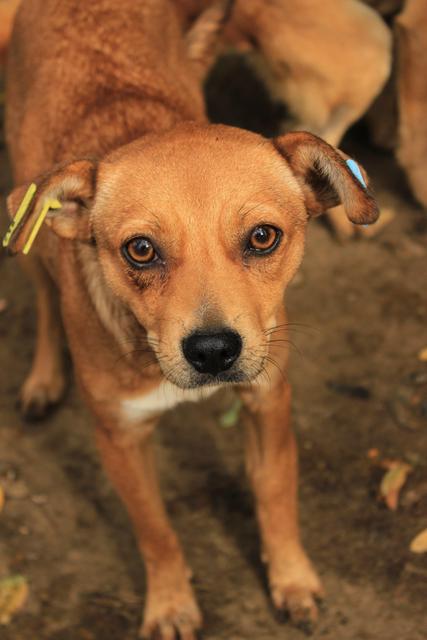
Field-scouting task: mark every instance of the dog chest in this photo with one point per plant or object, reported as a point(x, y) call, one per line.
point(164, 397)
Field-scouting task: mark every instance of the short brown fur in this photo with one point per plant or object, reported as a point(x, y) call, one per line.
point(105, 103)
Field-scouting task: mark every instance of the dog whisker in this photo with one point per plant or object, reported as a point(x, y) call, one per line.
point(291, 326)
point(284, 344)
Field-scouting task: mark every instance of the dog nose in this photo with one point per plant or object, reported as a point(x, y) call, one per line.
point(212, 352)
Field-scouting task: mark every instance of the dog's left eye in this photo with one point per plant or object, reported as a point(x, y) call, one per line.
point(263, 239)
point(140, 252)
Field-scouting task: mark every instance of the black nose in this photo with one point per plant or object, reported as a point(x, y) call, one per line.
point(212, 352)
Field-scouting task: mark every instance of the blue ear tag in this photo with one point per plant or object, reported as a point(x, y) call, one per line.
point(355, 170)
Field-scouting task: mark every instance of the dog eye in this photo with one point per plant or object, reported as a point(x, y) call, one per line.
point(264, 239)
point(139, 252)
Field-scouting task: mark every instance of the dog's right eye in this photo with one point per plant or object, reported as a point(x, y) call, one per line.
point(263, 239)
point(140, 252)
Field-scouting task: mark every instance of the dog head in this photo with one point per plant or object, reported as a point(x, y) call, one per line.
point(197, 233)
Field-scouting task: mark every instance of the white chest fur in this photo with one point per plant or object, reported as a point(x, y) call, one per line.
point(164, 397)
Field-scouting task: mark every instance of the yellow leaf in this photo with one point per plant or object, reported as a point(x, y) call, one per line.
point(392, 483)
point(1, 498)
point(13, 593)
point(419, 543)
point(422, 355)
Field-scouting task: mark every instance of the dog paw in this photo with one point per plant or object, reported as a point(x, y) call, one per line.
point(174, 618)
point(299, 605)
point(295, 592)
point(37, 396)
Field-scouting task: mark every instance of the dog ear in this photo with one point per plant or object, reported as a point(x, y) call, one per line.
point(61, 198)
point(203, 36)
point(328, 177)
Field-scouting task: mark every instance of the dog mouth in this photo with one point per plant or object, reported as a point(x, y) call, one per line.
point(195, 380)
point(221, 379)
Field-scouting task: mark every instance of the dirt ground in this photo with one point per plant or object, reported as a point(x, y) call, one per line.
point(357, 385)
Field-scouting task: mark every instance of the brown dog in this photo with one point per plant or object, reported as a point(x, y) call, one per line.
point(171, 253)
point(412, 95)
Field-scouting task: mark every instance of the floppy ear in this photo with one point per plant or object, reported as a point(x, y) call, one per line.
point(204, 34)
point(61, 199)
point(327, 178)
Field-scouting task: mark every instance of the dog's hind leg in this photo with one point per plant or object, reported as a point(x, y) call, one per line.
point(44, 385)
point(271, 458)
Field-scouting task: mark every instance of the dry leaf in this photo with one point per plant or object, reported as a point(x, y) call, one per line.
point(373, 454)
point(1, 498)
point(13, 593)
point(422, 355)
point(393, 481)
point(419, 543)
point(231, 416)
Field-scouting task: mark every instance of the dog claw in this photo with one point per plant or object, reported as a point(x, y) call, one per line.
point(306, 627)
point(171, 631)
point(35, 409)
point(295, 591)
point(173, 625)
point(38, 399)
point(298, 605)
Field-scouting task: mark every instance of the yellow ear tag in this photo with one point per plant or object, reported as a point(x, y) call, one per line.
point(49, 203)
point(20, 213)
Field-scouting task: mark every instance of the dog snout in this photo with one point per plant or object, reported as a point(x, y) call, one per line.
point(212, 352)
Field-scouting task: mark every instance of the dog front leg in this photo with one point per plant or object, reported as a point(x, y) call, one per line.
point(170, 610)
point(272, 466)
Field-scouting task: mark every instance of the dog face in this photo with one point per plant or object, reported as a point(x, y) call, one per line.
point(198, 232)
point(204, 232)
